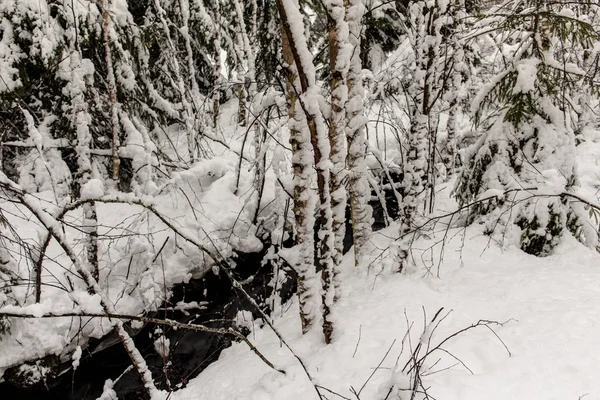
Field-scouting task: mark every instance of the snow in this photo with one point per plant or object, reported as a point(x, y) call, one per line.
point(209, 184)
point(549, 304)
point(548, 307)
point(526, 75)
point(93, 189)
point(161, 346)
point(551, 331)
point(76, 357)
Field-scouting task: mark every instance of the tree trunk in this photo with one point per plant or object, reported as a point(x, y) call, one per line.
point(358, 184)
point(309, 103)
point(304, 202)
point(112, 89)
point(339, 63)
point(81, 120)
point(450, 153)
point(217, 67)
point(247, 77)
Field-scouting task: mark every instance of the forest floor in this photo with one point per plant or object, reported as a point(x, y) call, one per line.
point(548, 346)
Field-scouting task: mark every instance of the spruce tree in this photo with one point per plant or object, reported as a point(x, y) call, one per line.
point(525, 159)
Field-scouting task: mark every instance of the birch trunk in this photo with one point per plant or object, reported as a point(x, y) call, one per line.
point(304, 202)
point(246, 76)
point(309, 102)
point(358, 184)
point(423, 92)
point(459, 72)
point(184, 6)
point(339, 62)
point(450, 153)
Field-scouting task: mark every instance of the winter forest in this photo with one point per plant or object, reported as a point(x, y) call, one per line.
point(299, 199)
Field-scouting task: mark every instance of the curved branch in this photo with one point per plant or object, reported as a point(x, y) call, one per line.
point(174, 324)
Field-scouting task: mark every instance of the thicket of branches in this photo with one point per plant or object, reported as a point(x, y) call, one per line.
point(139, 135)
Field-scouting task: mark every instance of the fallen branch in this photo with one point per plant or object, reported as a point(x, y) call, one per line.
point(158, 321)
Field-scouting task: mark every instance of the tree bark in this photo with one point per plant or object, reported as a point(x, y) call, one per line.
point(217, 67)
point(358, 184)
point(112, 89)
point(338, 66)
point(303, 201)
point(320, 145)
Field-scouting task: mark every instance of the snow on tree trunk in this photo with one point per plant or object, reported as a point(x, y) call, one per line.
point(260, 161)
point(339, 63)
point(421, 92)
point(246, 73)
point(247, 91)
point(218, 60)
point(304, 199)
point(415, 180)
point(76, 70)
point(455, 93)
point(112, 88)
point(358, 184)
point(293, 26)
point(450, 153)
point(184, 6)
point(426, 85)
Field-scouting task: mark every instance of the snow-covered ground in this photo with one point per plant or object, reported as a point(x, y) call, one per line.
point(552, 331)
point(547, 348)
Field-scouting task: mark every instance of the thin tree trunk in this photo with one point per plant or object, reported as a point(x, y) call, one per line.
point(246, 54)
point(184, 6)
point(339, 64)
point(415, 179)
point(304, 202)
point(320, 146)
point(458, 72)
point(112, 89)
point(358, 184)
point(260, 162)
point(81, 125)
point(450, 153)
point(218, 62)
point(423, 92)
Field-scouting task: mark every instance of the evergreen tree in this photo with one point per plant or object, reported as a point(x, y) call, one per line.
point(525, 158)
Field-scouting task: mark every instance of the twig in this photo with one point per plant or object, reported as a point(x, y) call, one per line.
point(358, 342)
point(377, 368)
point(332, 392)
